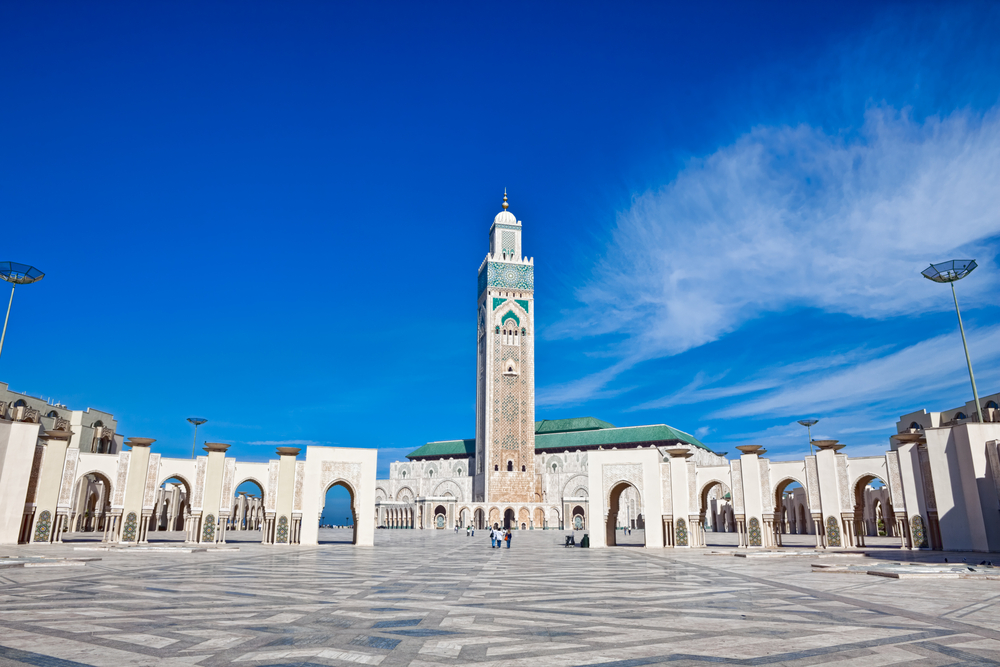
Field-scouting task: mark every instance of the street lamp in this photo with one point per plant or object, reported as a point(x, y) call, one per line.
point(16, 274)
point(949, 272)
point(809, 423)
point(197, 421)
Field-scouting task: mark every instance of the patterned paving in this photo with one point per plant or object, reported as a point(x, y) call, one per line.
point(437, 598)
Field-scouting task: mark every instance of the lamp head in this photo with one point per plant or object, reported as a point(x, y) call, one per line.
point(808, 422)
point(19, 274)
point(197, 421)
point(949, 272)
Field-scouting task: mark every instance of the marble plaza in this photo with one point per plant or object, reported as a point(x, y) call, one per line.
point(440, 598)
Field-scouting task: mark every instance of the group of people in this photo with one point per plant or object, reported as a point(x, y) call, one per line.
point(498, 535)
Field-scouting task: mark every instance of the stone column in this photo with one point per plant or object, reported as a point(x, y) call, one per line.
point(44, 522)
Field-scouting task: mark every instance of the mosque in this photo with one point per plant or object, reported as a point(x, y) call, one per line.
point(517, 472)
point(937, 486)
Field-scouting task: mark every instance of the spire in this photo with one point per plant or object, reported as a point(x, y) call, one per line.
point(505, 204)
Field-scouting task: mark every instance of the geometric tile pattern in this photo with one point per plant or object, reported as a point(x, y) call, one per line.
point(426, 598)
point(753, 532)
point(832, 531)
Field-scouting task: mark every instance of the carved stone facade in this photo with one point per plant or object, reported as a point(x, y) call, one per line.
point(505, 405)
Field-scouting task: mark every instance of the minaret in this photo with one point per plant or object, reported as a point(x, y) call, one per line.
point(505, 388)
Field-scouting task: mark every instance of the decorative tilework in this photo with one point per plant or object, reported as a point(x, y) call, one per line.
point(498, 300)
point(131, 527)
point(208, 530)
point(507, 276)
point(681, 533)
point(43, 527)
point(917, 531)
point(512, 227)
point(282, 533)
point(753, 532)
point(523, 303)
point(511, 315)
point(577, 522)
point(832, 531)
point(508, 242)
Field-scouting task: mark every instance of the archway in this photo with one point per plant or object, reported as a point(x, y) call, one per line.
point(614, 504)
point(479, 519)
point(440, 517)
point(579, 521)
point(791, 515)
point(340, 512)
point(508, 518)
point(247, 510)
point(91, 503)
point(716, 512)
point(872, 504)
point(171, 519)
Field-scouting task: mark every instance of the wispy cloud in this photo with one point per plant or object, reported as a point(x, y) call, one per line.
point(788, 217)
point(893, 378)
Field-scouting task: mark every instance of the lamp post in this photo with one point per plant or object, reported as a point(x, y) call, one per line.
point(809, 423)
point(950, 272)
point(197, 421)
point(16, 274)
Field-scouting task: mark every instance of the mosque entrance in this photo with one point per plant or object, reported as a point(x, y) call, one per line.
point(873, 515)
point(615, 505)
point(479, 519)
point(339, 515)
point(246, 516)
point(91, 504)
point(171, 520)
point(791, 515)
point(508, 519)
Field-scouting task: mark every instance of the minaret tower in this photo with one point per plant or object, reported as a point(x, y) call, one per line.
point(505, 389)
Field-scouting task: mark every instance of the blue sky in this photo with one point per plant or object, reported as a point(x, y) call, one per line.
point(272, 215)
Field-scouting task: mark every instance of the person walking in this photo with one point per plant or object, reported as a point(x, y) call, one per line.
point(493, 538)
point(507, 537)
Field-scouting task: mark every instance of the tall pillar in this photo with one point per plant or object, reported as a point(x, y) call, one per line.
point(140, 483)
point(45, 522)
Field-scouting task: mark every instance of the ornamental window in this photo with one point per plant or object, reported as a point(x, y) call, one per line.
point(510, 335)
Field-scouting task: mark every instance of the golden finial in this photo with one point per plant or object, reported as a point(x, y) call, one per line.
point(505, 204)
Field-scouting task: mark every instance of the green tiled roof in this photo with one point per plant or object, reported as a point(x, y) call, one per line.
point(444, 448)
point(627, 435)
point(580, 433)
point(568, 425)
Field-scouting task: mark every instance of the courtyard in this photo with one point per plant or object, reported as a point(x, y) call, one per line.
point(439, 598)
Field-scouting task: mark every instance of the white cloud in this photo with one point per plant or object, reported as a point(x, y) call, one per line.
point(795, 216)
point(908, 374)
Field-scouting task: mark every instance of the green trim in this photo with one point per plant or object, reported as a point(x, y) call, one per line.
point(510, 315)
point(569, 434)
point(522, 303)
point(444, 448)
point(498, 300)
point(569, 425)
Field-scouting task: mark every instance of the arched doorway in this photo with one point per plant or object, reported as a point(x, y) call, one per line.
point(171, 519)
point(246, 515)
point(479, 519)
point(339, 511)
point(614, 507)
point(508, 519)
point(790, 510)
point(873, 515)
point(91, 503)
point(716, 513)
point(579, 521)
point(440, 517)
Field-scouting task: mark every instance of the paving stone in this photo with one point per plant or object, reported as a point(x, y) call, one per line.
point(455, 601)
